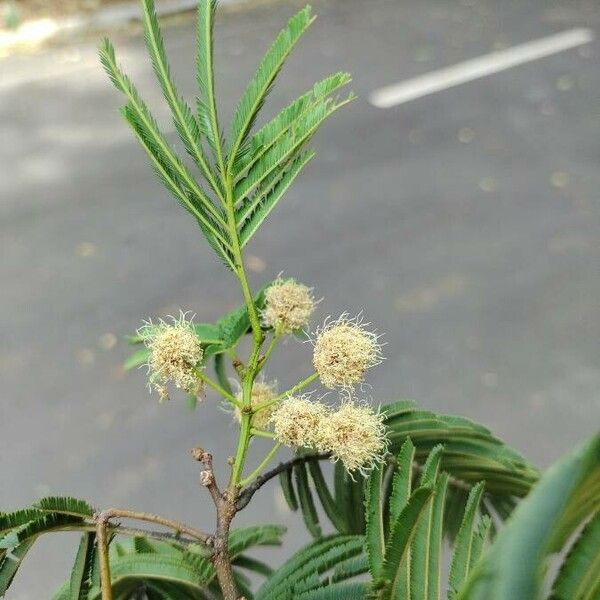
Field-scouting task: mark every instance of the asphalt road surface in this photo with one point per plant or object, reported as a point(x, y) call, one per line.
point(464, 223)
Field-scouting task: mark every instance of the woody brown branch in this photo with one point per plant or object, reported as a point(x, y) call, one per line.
point(225, 504)
point(246, 494)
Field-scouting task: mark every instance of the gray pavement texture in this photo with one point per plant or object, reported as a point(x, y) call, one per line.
point(464, 224)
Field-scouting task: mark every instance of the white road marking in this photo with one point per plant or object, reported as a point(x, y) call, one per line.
point(475, 68)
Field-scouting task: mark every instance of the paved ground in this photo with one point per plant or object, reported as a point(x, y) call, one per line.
point(465, 224)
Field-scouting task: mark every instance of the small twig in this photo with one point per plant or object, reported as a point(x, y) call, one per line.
point(225, 504)
point(160, 536)
point(300, 385)
point(116, 513)
point(246, 494)
point(274, 341)
point(215, 386)
point(105, 579)
point(207, 476)
point(262, 465)
point(261, 433)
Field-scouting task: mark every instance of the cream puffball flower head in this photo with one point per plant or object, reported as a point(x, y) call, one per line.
point(298, 421)
point(343, 351)
point(355, 435)
point(288, 305)
point(175, 351)
point(261, 392)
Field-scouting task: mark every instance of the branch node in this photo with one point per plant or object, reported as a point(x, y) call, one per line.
point(206, 478)
point(197, 454)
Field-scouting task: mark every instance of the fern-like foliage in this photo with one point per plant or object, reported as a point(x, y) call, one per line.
point(470, 454)
point(406, 505)
point(245, 177)
point(564, 504)
point(258, 87)
point(139, 563)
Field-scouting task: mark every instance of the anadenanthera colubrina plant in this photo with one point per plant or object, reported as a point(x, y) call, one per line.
point(403, 479)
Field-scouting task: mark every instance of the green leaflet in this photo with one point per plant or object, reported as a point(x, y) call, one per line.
point(304, 571)
point(461, 559)
point(206, 102)
point(10, 564)
point(423, 561)
point(246, 184)
point(375, 521)
point(287, 486)
point(138, 358)
point(327, 500)
point(480, 540)
point(237, 323)
point(258, 87)
point(19, 517)
point(80, 582)
point(579, 577)
point(567, 495)
point(278, 155)
point(167, 165)
point(307, 505)
point(351, 567)
point(336, 591)
point(65, 505)
point(170, 568)
point(398, 545)
point(185, 122)
point(426, 546)
point(32, 529)
point(258, 209)
point(270, 133)
point(252, 564)
point(143, 545)
point(257, 535)
point(152, 566)
point(399, 496)
point(401, 480)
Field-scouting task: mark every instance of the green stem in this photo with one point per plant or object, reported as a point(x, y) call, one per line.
point(215, 386)
point(274, 341)
point(302, 384)
point(242, 449)
point(257, 334)
point(222, 372)
point(266, 460)
point(262, 433)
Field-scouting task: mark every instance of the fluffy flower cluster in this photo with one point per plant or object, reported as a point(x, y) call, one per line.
point(353, 433)
point(175, 351)
point(261, 392)
point(343, 351)
point(297, 421)
point(288, 305)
